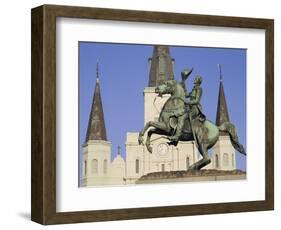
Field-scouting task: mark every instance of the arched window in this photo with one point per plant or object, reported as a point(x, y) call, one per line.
point(85, 167)
point(94, 166)
point(225, 159)
point(137, 165)
point(217, 161)
point(105, 166)
point(187, 163)
point(163, 167)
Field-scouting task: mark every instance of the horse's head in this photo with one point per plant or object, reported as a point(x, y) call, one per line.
point(169, 87)
point(166, 88)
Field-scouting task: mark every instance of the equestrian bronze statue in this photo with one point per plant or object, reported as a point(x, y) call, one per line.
point(182, 119)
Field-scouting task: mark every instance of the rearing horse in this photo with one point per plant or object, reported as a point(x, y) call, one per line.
point(205, 134)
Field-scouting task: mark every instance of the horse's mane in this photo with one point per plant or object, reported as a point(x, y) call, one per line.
point(173, 97)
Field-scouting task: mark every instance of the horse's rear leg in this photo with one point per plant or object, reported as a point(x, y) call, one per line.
point(231, 130)
point(204, 161)
point(175, 138)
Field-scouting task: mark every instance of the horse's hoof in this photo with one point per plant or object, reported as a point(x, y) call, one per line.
point(149, 148)
point(174, 143)
point(140, 140)
point(193, 167)
point(208, 161)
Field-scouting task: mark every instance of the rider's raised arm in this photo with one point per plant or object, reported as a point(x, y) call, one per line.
point(188, 95)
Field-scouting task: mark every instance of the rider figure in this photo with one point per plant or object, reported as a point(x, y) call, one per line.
point(193, 105)
point(193, 109)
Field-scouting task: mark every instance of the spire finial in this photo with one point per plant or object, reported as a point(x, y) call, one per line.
point(219, 66)
point(119, 150)
point(97, 70)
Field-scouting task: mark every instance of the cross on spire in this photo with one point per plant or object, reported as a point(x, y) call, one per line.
point(118, 150)
point(97, 70)
point(219, 66)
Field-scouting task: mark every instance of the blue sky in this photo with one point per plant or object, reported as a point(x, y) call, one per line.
point(124, 71)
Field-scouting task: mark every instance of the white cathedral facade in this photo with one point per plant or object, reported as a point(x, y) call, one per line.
point(98, 169)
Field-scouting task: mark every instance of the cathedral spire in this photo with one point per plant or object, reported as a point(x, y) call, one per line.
point(161, 66)
point(96, 126)
point(222, 112)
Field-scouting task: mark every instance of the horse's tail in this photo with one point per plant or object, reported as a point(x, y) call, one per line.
point(230, 129)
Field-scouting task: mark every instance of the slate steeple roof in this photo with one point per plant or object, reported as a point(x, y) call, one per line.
point(96, 126)
point(161, 66)
point(222, 111)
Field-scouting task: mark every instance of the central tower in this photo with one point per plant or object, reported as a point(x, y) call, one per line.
point(164, 157)
point(161, 69)
point(161, 66)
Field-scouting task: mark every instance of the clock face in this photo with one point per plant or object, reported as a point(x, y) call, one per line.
point(162, 149)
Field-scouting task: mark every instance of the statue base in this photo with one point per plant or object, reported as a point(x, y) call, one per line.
point(191, 176)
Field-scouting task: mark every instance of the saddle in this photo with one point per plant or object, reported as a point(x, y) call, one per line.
point(186, 127)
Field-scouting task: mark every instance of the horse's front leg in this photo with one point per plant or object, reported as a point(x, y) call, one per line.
point(149, 134)
point(160, 128)
point(142, 132)
point(147, 142)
